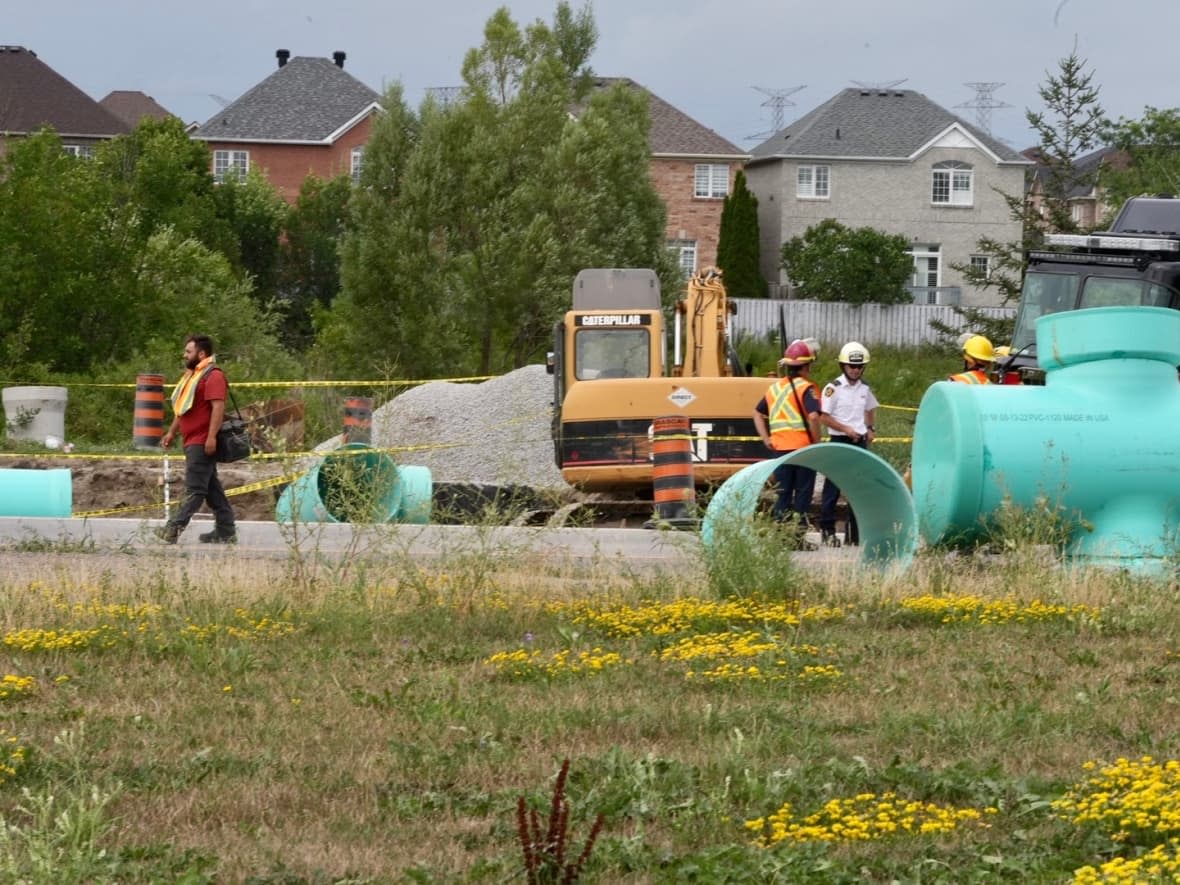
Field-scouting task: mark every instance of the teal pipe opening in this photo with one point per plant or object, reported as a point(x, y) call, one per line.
point(36, 492)
point(357, 484)
point(875, 491)
point(1099, 443)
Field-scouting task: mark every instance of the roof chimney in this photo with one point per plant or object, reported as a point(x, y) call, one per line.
point(338, 57)
point(282, 55)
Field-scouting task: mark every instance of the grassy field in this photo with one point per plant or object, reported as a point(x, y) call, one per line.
point(168, 719)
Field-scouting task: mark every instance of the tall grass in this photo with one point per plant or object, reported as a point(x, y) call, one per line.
point(231, 724)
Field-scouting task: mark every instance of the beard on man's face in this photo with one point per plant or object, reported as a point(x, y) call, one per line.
point(191, 364)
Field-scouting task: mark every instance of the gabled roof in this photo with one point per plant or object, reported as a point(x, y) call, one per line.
point(1085, 167)
point(673, 132)
point(874, 124)
point(131, 106)
point(33, 95)
point(307, 100)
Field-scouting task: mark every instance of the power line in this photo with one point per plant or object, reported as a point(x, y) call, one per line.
point(879, 86)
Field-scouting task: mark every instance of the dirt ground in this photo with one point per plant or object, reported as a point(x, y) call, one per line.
point(102, 484)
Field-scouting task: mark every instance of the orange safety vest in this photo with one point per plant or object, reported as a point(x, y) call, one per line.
point(786, 421)
point(975, 376)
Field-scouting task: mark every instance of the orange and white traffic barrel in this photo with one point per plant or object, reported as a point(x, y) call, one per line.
point(149, 411)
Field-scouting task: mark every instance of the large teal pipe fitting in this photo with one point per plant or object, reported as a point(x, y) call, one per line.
point(356, 483)
point(1101, 439)
point(48, 493)
point(884, 509)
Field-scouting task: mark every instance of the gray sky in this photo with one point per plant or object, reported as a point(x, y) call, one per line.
point(703, 56)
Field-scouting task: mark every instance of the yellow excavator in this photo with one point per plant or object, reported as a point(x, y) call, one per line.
point(612, 379)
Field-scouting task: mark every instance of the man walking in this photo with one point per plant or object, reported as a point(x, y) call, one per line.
point(848, 411)
point(787, 419)
point(198, 403)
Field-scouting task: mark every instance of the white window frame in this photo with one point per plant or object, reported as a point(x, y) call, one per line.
point(356, 162)
point(80, 151)
point(982, 263)
point(813, 182)
point(952, 183)
point(711, 181)
point(223, 161)
point(685, 252)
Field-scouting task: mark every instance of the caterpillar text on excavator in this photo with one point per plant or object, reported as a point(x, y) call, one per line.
point(612, 379)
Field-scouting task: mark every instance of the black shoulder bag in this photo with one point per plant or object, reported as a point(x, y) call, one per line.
point(233, 438)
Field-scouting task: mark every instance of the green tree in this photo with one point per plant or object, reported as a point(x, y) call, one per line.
point(832, 262)
point(1070, 125)
point(739, 244)
point(464, 243)
point(309, 255)
point(255, 214)
point(1152, 148)
point(86, 283)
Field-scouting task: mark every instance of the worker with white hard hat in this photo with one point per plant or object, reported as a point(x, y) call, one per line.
point(848, 409)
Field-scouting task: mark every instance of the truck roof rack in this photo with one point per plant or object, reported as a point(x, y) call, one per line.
point(1122, 242)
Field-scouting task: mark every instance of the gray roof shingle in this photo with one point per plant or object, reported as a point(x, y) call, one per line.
point(865, 123)
point(33, 95)
point(673, 132)
point(305, 100)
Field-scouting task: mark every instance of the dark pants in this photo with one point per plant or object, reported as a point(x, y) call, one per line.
point(796, 485)
point(831, 494)
point(200, 485)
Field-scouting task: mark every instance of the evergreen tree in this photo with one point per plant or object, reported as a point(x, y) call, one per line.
point(1070, 126)
point(739, 244)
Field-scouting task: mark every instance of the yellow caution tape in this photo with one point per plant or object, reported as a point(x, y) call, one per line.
point(405, 382)
point(899, 408)
point(240, 490)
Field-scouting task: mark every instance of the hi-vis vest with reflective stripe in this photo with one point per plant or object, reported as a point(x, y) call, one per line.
point(975, 376)
point(787, 424)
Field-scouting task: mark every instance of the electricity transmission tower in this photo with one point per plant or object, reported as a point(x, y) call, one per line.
point(984, 103)
point(445, 95)
point(777, 100)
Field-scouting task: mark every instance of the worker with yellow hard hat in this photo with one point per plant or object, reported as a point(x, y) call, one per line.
point(978, 356)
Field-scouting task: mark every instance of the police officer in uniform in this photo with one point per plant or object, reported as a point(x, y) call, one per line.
point(848, 409)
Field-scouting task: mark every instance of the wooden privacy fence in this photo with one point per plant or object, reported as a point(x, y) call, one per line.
point(900, 325)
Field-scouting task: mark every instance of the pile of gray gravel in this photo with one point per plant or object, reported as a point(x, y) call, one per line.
point(495, 432)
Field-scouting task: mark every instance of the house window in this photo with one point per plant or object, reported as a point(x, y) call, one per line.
point(685, 252)
point(982, 265)
point(81, 151)
point(357, 162)
point(812, 182)
point(225, 161)
point(952, 184)
point(927, 274)
point(711, 180)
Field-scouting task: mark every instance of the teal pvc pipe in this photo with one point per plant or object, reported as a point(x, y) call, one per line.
point(36, 492)
point(323, 493)
point(1101, 439)
point(417, 491)
point(875, 491)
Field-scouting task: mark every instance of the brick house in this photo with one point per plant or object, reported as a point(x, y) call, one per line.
point(131, 106)
point(692, 168)
point(309, 117)
point(33, 96)
point(895, 161)
point(1086, 197)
